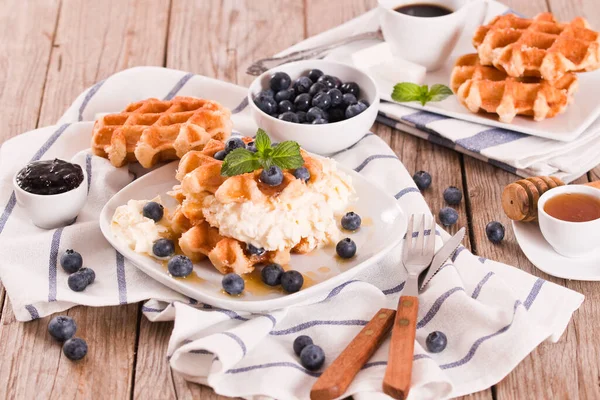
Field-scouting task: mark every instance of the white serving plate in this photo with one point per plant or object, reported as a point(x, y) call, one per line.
point(384, 225)
point(543, 256)
point(564, 127)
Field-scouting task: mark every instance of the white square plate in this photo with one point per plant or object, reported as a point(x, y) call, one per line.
point(384, 225)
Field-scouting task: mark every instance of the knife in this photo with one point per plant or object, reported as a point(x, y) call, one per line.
point(442, 255)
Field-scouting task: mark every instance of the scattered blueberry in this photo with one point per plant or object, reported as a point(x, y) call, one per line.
point(89, 273)
point(319, 121)
point(234, 143)
point(266, 104)
point(251, 147)
point(75, 349)
point(336, 97)
point(273, 176)
point(78, 281)
point(346, 248)
point(322, 100)
point(351, 221)
point(285, 106)
point(452, 195)
point(303, 84)
point(350, 87)
point(292, 281)
point(302, 173)
point(301, 116)
point(289, 116)
point(233, 284)
point(287, 94)
point(354, 110)
point(71, 261)
point(422, 179)
point(329, 81)
point(280, 81)
point(336, 114)
point(271, 274)
point(436, 342)
point(312, 357)
point(494, 231)
point(315, 74)
point(62, 328)
point(180, 266)
point(300, 343)
point(314, 113)
point(302, 102)
point(220, 155)
point(448, 216)
point(255, 251)
point(163, 247)
point(153, 210)
point(317, 87)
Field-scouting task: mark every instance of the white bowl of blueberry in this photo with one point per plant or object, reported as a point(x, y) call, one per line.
point(324, 106)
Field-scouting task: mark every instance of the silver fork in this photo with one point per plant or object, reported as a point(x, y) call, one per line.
point(396, 382)
point(265, 64)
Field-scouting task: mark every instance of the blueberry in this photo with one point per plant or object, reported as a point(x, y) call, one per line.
point(300, 343)
point(336, 114)
point(422, 179)
point(266, 104)
point(255, 251)
point(329, 81)
point(280, 81)
point(75, 349)
point(354, 110)
point(303, 84)
point(302, 173)
point(71, 261)
point(292, 281)
point(448, 216)
point(322, 100)
point(315, 74)
point(302, 102)
point(452, 195)
point(314, 113)
point(351, 221)
point(89, 273)
point(78, 281)
point(251, 147)
point(234, 143)
point(361, 106)
point(436, 342)
point(287, 94)
point(271, 274)
point(62, 327)
point(312, 357)
point(289, 116)
point(346, 248)
point(273, 176)
point(153, 210)
point(233, 284)
point(266, 93)
point(336, 97)
point(301, 116)
point(494, 231)
point(350, 87)
point(319, 121)
point(348, 99)
point(285, 106)
point(317, 88)
point(365, 103)
point(220, 155)
point(163, 247)
point(180, 266)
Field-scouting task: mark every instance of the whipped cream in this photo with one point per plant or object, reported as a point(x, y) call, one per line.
point(281, 223)
point(131, 227)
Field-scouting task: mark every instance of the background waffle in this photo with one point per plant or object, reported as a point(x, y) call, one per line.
point(481, 87)
point(155, 130)
point(538, 47)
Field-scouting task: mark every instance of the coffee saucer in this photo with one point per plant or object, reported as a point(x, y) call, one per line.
point(545, 258)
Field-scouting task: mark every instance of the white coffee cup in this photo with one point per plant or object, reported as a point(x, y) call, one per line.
point(570, 239)
point(428, 41)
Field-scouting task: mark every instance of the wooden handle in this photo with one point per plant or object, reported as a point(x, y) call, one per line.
point(396, 382)
point(338, 376)
point(595, 184)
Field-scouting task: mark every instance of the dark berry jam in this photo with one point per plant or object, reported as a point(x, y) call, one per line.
point(50, 177)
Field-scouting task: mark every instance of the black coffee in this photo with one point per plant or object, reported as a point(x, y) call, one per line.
point(423, 10)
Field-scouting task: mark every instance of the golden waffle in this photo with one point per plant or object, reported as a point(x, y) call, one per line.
point(155, 130)
point(539, 47)
point(480, 87)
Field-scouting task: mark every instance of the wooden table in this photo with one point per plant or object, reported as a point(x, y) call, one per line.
point(53, 50)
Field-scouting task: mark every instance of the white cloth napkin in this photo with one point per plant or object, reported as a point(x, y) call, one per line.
point(515, 152)
point(492, 314)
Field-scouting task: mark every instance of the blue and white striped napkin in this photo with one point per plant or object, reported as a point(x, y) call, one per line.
point(492, 314)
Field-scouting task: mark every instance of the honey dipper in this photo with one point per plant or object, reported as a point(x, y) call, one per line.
point(519, 199)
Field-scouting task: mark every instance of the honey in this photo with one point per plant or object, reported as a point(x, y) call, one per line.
point(573, 207)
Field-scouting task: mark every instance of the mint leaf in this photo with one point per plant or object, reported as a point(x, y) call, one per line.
point(262, 141)
point(286, 155)
point(406, 91)
point(240, 161)
point(439, 92)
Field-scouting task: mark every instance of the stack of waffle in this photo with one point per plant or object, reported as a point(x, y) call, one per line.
point(525, 66)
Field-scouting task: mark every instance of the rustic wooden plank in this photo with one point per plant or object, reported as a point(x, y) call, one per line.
point(93, 40)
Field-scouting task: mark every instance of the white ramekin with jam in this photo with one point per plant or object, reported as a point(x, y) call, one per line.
point(52, 192)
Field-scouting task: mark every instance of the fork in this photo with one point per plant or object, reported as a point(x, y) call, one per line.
point(265, 64)
point(396, 382)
